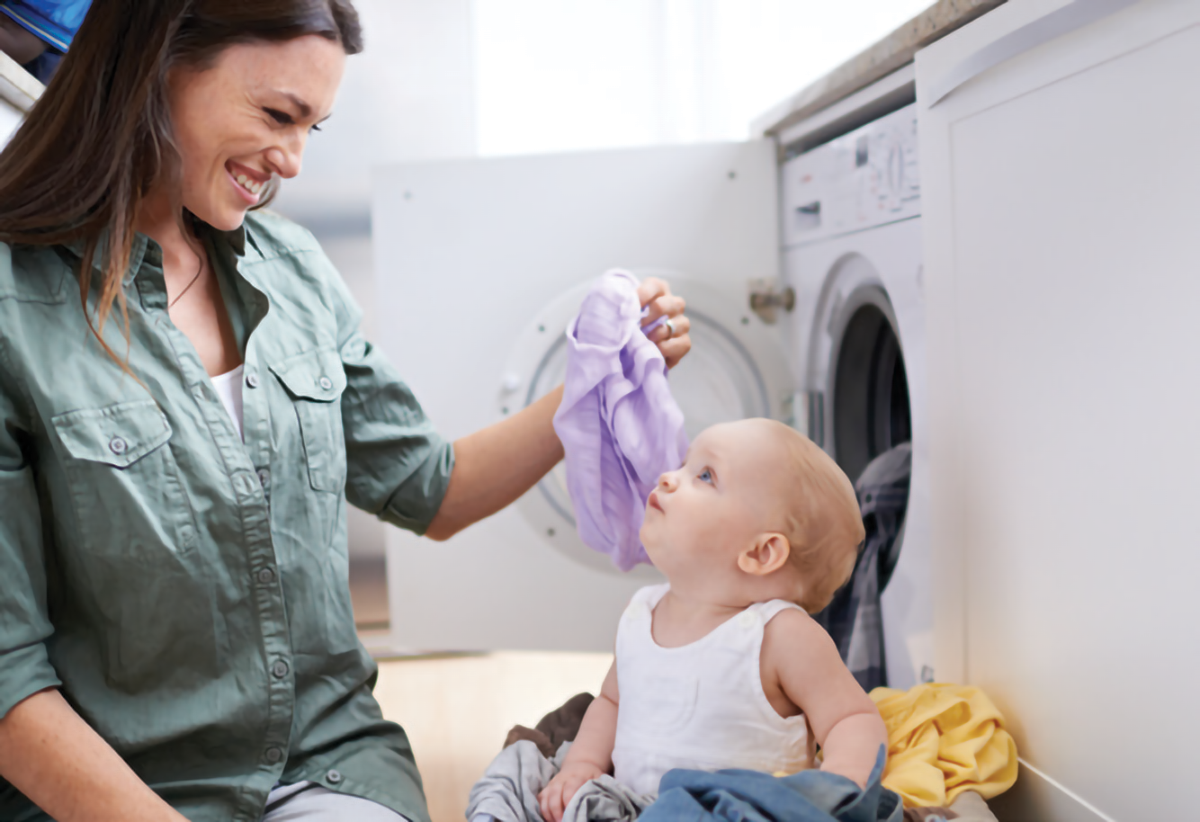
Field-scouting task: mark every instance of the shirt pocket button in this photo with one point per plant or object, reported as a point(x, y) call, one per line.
point(333, 777)
point(118, 445)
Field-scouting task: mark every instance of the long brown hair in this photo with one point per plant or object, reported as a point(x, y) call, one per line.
point(100, 138)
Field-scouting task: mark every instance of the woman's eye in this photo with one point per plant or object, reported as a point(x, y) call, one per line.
point(281, 117)
point(314, 127)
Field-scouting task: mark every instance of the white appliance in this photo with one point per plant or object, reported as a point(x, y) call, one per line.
point(1059, 188)
point(852, 254)
point(18, 91)
point(504, 248)
point(10, 118)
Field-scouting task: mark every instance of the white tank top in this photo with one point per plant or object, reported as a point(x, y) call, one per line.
point(229, 389)
point(700, 706)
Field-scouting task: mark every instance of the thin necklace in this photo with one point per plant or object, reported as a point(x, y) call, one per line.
point(179, 296)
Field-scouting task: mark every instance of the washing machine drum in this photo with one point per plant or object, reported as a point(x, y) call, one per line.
point(868, 389)
point(735, 370)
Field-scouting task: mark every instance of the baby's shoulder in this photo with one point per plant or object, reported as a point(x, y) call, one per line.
point(796, 637)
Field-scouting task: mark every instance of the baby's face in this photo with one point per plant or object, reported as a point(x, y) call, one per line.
point(726, 494)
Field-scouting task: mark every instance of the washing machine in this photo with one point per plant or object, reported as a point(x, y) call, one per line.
point(792, 293)
point(480, 265)
point(851, 253)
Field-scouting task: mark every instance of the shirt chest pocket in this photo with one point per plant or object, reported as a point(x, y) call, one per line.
point(125, 485)
point(314, 382)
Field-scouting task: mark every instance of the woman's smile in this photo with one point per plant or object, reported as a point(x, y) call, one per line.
point(248, 182)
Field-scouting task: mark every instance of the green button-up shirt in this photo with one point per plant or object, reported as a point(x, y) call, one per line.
point(187, 590)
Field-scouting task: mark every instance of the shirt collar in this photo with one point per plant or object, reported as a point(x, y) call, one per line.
point(145, 249)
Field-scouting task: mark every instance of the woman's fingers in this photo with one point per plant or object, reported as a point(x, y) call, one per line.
point(650, 288)
point(673, 341)
point(680, 326)
point(674, 349)
point(666, 304)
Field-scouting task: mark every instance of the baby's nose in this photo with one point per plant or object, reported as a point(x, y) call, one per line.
point(667, 482)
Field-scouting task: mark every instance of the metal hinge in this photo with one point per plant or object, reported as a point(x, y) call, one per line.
point(766, 298)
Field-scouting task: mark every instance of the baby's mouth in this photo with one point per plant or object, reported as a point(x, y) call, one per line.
point(653, 503)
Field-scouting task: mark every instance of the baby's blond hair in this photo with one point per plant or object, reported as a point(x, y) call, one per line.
point(823, 523)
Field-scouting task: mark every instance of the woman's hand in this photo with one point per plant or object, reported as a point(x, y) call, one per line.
point(673, 339)
point(554, 798)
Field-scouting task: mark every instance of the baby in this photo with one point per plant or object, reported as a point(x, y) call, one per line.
point(723, 667)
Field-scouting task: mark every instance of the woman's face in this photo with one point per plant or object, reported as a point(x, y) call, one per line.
point(246, 118)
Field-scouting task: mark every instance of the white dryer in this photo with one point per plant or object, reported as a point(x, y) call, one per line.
point(481, 264)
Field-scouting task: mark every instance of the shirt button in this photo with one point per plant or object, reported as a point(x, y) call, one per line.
point(333, 777)
point(326, 383)
point(252, 380)
point(118, 445)
point(274, 755)
point(266, 575)
point(280, 669)
point(264, 477)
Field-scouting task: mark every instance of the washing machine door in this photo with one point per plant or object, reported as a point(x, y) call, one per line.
point(480, 266)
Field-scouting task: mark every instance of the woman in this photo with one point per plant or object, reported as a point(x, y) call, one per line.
point(175, 626)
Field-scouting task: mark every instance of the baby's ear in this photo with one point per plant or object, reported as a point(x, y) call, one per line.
point(766, 555)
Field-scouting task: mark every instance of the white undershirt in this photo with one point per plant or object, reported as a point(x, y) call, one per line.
point(229, 389)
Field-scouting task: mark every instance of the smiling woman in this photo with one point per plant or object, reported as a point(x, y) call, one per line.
point(176, 633)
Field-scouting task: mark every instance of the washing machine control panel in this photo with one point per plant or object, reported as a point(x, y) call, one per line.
point(866, 178)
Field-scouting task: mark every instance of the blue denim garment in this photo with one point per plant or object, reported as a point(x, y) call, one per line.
point(54, 21)
point(750, 796)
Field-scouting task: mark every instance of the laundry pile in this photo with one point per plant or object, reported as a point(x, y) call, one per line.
point(947, 752)
point(509, 789)
point(619, 425)
point(944, 740)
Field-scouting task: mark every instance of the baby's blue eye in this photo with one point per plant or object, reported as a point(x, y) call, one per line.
point(705, 476)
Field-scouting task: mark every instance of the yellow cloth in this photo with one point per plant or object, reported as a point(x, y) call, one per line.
point(943, 740)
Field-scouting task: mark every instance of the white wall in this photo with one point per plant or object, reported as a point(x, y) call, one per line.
point(409, 96)
point(555, 75)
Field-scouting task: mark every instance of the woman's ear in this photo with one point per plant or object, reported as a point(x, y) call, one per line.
point(766, 555)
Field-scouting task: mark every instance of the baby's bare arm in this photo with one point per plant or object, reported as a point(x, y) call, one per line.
point(810, 672)
point(593, 744)
point(591, 752)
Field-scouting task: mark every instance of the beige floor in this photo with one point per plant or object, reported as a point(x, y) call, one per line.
point(457, 710)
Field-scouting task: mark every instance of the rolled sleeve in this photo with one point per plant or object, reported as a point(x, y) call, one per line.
point(398, 466)
point(25, 666)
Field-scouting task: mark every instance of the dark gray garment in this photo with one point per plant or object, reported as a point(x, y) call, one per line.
point(853, 618)
point(508, 791)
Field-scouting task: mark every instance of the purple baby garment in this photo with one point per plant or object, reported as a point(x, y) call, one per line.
point(619, 425)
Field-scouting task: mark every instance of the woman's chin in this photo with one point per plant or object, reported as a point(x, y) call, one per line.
point(222, 219)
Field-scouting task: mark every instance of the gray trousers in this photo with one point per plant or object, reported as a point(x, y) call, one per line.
point(309, 802)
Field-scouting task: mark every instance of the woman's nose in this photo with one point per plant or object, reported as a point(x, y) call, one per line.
point(286, 159)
